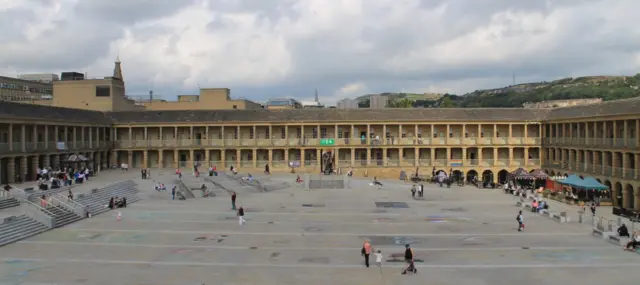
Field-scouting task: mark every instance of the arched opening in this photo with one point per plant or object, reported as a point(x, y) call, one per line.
point(471, 174)
point(565, 175)
point(503, 176)
point(532, 170)
point(552, 173)
point(617, 192)
point(441, 171)
point(457, 175)
point(630, 197)
point(581, 177)
point(487, 176)
point(600, 181)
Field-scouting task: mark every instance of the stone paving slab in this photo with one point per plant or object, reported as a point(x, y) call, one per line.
point(463, 235)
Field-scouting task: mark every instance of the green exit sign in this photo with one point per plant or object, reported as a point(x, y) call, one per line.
point(327, 142)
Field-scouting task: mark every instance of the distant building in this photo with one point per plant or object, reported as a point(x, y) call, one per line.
point(347, 104)
point(311, 104)
point(283, 103)
point(561, 103)
point(208, 99)
point(378, 102)
point(21, 90)
point(40, 77)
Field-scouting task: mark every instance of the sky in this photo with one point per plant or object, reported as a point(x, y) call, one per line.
point(264, 49)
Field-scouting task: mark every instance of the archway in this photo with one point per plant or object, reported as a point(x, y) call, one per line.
point(487, 176)
point(552, 173)
point(630, 197)
point(532, 170)
point(471, 174)
point(565, 175)
point(618, 195)
point(457, 175)
point(599, 181)
point(439, 171)
point(503, 176)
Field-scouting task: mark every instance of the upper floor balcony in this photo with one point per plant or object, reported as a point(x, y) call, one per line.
point(311, 141)
point(607, 143)
point(33, 147)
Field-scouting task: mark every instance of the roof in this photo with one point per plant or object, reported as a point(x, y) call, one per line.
point(13, 110)
point(629, 106)
point(331, 115)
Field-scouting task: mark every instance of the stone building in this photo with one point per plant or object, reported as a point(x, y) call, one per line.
point(599, 140)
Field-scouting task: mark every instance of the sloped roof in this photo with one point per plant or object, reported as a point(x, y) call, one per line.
point(13, 110)
point(629, 106)
point(332, 115)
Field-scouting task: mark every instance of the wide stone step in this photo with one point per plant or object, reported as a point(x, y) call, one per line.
point(20, 228)
point(9, 203)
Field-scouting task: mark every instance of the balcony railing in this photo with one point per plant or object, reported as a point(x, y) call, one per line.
point(533, 162)
point(424, 162)
point(486, 162)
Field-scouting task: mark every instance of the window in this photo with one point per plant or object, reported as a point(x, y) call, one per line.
point(267, 134)
point(323, 132)
point(103, 91)
point(235, 134)
point(283, 133)
point(220, 135)
point(298, 132)
point(340, 133)
point(314, 133)
point(251, 133)
point(235, 106)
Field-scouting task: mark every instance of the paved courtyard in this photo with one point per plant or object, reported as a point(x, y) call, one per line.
point(463, 235)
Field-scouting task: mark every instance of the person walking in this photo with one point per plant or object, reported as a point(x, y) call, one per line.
point(378, 255)
point(408, 258)
point(173, 193)
point(233, 201)
point(520, 221)
point(241, 219)
point(366, 252)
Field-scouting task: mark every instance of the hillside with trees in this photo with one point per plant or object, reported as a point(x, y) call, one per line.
point(605, 87)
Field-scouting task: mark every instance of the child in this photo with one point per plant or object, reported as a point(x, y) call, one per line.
point(378, 255)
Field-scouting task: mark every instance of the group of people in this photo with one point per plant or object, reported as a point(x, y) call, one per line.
point(367, 249)
point(145, 173)
point(634, 240)
point(48, 178)
point(419, 189)
point(117, 202)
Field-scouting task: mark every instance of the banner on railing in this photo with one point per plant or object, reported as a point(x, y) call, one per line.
point(61, 146)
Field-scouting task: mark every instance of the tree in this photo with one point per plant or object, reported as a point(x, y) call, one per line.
point(447, 103)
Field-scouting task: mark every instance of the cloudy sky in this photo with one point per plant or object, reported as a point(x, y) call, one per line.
point(286, 48)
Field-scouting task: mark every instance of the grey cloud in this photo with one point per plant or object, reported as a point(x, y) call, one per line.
point(129, 11)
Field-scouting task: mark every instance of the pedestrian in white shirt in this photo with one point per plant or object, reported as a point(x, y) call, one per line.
point(378, 255)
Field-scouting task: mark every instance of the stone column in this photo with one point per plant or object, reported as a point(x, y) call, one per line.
point(130, 159)
point(510, 156)
point(114, 158)
point(464, 155)
point(625, 198)
point(223, 159)
point(480, 157)
point(10, 138)
point(286, 156)
point(176, 163)
point(82, 138)
point(46, 161)
point(254, 155)
point(11, 170)
point(318, 155)
point(23, 168)
point(353, 156)
point(23, 141)
point(368, 156)
point(46, 137)
point(145, 159)
point(637, 166)
point(416, 156)
point(239, 155)
point(207, 157)
point(270, 157)
point(98, 161)
point(400, 156)
point(384, 157)
point(495, 156)
point(191, 163)
point(160, 159)
point(56, 161)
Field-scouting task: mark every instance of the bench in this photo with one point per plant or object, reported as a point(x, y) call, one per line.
point(8, 219)
point(519, 204)
point(543, 212)
point(559, 217)
point(597, 232)
point(614, 238)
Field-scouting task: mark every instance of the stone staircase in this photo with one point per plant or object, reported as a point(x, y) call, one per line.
point(9, 202)
point(97, 201)
point(15, 228)
point(63, 216)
